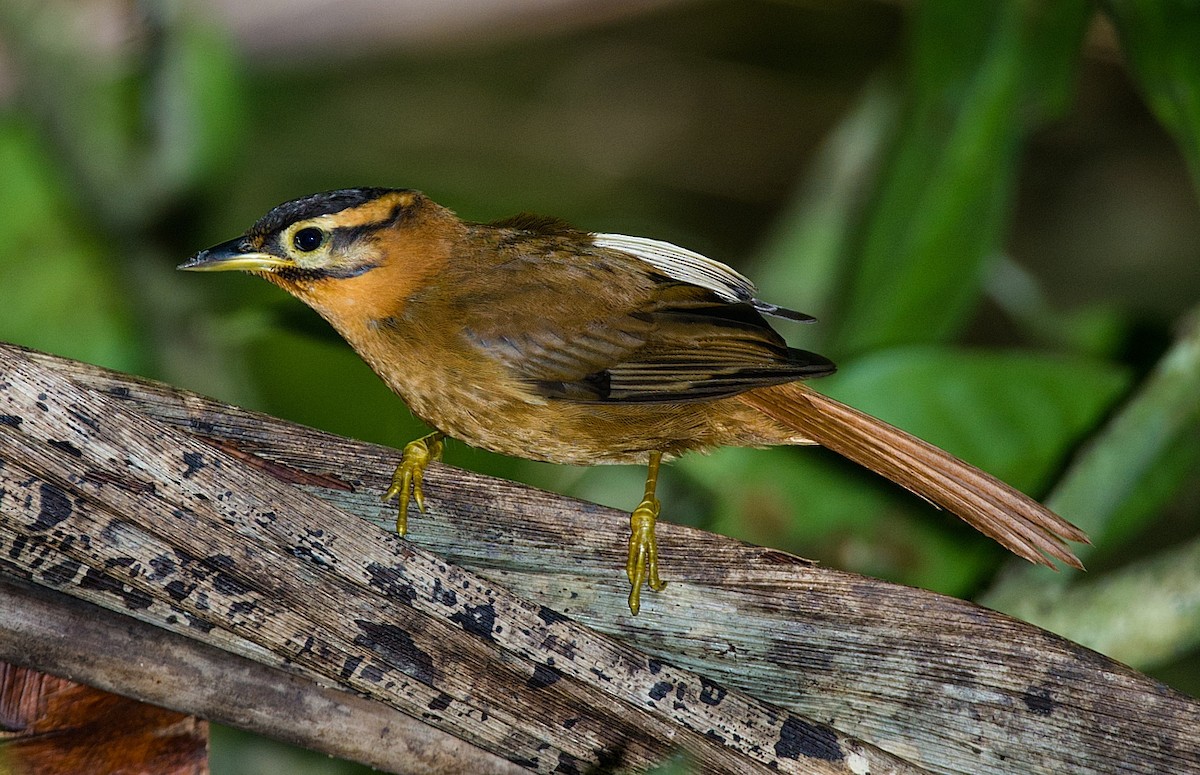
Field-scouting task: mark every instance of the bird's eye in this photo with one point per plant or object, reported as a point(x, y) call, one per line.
point(308, 239)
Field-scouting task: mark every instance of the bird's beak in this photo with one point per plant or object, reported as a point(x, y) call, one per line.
point(234, 254)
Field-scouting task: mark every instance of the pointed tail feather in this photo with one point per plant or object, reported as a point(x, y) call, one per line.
point(995, 509)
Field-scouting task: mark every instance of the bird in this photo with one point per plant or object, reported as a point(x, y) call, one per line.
point(531, 338)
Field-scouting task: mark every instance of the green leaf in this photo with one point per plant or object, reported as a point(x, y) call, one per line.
point(980, 75)
point(1121, 465)
point(59, 294)
point(1160, 39)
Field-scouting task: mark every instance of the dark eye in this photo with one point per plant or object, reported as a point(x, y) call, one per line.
point(308, 239)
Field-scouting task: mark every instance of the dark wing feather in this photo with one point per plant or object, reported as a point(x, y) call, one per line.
point(646, 338)
point(705, 348)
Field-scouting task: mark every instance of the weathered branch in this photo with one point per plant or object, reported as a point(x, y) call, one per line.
point(502, 622)
point(115, 652)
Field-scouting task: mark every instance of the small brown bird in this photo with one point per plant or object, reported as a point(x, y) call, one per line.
point(531, 338)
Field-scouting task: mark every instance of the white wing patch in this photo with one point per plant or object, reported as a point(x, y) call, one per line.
point(682, 264)
point(691, 267)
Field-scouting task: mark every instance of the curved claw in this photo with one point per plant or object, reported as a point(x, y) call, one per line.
point(642, 565)
point(410, 475)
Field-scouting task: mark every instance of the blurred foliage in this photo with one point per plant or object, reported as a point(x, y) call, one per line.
point(1159, 39)
point(980, 77)
point(61, 291)
point(994, 216)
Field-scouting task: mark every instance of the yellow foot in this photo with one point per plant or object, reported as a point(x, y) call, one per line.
point(407, 479)
point(642, 566)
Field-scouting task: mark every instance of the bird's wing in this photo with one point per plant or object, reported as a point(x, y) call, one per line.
point(598, 323)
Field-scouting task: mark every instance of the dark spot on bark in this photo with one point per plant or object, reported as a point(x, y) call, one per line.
point(390, 581)
point(373, 672)
point(135, 600)
point(654, 666)
point(119, 391)
point(242, 607)
point(55, 507)
point(18, 546)
point(798, 738)
point(478, 620)
point(197, 623)
point(440, 702)
point(185, 557)
point(569, 723)
point(567, 764)
point(1038, 700)
point(178, 590)
point(542, 677)
point(42, 405)
point(715, 736)
point(442, 595)
point(312, 552)
point(228, 585)
point(397, 646)
point(87, 420)
point(660, 690)
point(559, 646)
point(163, 566)
point(63, 573)
point(202, 426)
point(711, 692)
point(550, 616)
point(111, 530)
point(307, 648)
point(65, 446)
point(349, 666)
point(11, 420)
point(107, 479)
point(607, 760)
point(194, 462)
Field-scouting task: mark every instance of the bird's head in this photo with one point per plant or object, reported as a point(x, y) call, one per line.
point(345, 252)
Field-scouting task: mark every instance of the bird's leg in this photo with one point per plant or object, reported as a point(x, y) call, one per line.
point(642, 565)
point(407, 479)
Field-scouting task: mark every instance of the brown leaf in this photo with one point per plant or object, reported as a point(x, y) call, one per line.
point(53, 726)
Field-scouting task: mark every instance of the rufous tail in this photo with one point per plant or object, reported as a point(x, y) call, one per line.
point(1016, 521)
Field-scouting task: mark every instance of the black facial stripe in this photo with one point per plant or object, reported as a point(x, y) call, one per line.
point(297, 274)
point(343, 236)
point(312, 206)
point(300, 274)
